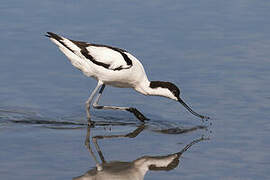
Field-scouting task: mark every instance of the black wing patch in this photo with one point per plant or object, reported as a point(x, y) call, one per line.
point(121, 51)
point(88, 56)
point(83, 45)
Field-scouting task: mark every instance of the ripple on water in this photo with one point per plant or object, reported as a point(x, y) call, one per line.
point(20, 116)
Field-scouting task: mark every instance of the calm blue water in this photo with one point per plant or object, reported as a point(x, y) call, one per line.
point(217, 52)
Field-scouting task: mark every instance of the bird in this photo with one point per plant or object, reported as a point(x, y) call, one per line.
point(115, 67)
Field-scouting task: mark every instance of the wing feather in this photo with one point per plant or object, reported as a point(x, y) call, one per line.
point(106, 56)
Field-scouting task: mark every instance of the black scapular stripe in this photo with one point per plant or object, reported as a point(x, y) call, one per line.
point(85, 52)
point(88, 56)
point(82, 45)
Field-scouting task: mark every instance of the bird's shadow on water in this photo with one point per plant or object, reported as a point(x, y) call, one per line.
point(114, 169)
point(135, 169)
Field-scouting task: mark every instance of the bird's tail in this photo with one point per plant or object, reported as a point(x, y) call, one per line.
point(65, 43)
point(54, 36)
point(59, 40)
point(69, 48)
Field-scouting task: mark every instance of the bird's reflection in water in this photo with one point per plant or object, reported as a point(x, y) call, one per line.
point(134, 170)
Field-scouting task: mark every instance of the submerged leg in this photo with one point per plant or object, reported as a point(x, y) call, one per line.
point(88, 146)
point(89, 100)
point(137, 113)
point(132, 134)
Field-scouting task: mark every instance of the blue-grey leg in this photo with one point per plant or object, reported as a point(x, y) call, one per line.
point(137, 113)
point(87, 144)
point(89, 100)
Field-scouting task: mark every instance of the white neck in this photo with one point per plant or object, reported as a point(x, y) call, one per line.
point(143, 87)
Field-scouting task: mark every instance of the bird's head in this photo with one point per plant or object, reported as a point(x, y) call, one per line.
point(169, 90)
point(166, 89)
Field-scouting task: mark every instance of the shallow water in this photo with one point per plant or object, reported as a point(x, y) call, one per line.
point(217, 52)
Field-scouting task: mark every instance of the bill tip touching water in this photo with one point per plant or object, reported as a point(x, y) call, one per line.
point(115, 67)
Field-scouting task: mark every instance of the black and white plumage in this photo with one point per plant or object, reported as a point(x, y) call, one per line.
point(116, 67)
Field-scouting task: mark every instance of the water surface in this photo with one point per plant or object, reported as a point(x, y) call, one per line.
point(217, 52)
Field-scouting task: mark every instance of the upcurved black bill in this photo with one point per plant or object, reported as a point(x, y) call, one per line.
point(190, 110)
